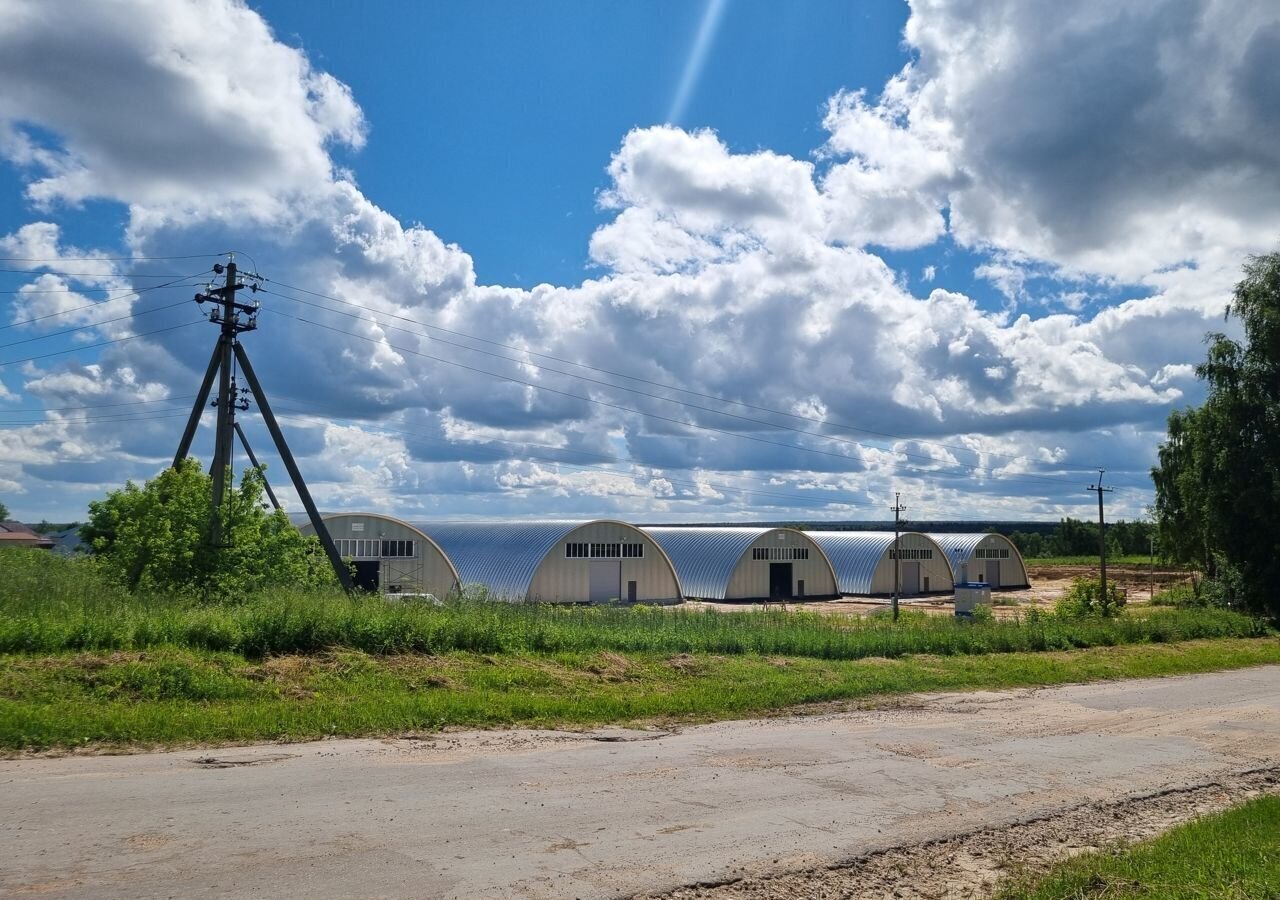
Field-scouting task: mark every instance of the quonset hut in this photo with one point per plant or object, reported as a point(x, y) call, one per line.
point(989, 558)
point(387, 554)
point(747, 563)
point(863, 562)
point(601, 561)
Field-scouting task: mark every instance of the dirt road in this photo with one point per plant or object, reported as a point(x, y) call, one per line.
point(615, 813)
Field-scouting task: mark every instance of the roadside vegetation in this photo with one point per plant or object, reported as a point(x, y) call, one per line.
point(85, 660)
point(173, 697)
point(1230, 856)
point(52, 606)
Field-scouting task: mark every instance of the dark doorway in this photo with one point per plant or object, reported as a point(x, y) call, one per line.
point(779, 581)
point(366, 577)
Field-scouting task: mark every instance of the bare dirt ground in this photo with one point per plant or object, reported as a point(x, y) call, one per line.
point(1048, 583)
point(977, 864)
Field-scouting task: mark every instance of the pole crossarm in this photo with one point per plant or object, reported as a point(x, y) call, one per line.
point(235, 318)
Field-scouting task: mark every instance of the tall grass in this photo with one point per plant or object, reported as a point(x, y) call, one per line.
point(1228, 855)
point(51, 606)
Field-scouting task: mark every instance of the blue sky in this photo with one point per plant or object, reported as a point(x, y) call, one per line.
point(494, 121)
point(966, 251)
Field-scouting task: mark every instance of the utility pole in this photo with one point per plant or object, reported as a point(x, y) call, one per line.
point(1102, 537)
point(235, 318)
point(1152, 538)
point(898, 510)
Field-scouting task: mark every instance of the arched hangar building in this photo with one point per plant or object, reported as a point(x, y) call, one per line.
point(388, 555)
point(988, 558)
point(600, 561)
point(863, 562)
point(747, 563)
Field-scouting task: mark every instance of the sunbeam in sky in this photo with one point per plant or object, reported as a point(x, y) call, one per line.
point(697, 60)
point(875, 248)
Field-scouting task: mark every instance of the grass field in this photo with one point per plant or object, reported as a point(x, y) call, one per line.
point(284, 622)
point(174, 696)
point(1229, 856)
point(84, 662)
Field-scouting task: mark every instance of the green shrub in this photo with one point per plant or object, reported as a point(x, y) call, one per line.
point(1085, 598)
point(1184, 595)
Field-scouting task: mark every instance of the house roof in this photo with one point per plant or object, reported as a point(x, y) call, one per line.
point(19, 535)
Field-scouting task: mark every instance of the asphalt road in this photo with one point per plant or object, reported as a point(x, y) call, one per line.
point(551, 814)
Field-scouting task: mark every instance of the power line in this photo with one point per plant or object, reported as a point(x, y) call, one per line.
point(148, 416)
point(179, 282)
point(62, 259)
point(480, 444)
point(22, 409)
point(583, 378)
point(665, 385)
point(132, 337)
point(132, 315)
point(684, 422)
point(36, 271)
point(584, 466)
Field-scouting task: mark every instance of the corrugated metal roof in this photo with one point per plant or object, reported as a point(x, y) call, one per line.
point(855, 555)
point(502, 556)
point(705, 557)
point(959, 549)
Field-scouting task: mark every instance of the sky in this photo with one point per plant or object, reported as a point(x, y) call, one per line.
point(714, 260)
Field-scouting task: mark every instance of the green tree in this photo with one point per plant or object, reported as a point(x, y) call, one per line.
point(1218, 475)
point(4, 512)
point(158, 537)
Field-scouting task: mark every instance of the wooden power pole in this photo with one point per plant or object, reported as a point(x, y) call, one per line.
point(235, 318)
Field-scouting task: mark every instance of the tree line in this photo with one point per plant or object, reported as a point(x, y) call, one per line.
point(1074, 537)
point(1217, 478)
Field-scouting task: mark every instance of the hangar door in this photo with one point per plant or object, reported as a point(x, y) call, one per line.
point(910, 577)
point(605, 580)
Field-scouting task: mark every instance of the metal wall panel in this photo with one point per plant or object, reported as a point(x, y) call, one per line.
point(717, 563)
point(429, 572)
point(864, 564)
point(960, 549)
point(526, 560)
point(559, 579)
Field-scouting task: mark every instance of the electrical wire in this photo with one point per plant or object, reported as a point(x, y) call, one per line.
point(684, 422)
point(22, 409)
point(79, 420)
point(132, 337)
point(179, 282)
point(664, 385)
point(92, 274)
point(684, 403)
point(132, 315)
point(586, 467)
point(44, 259)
